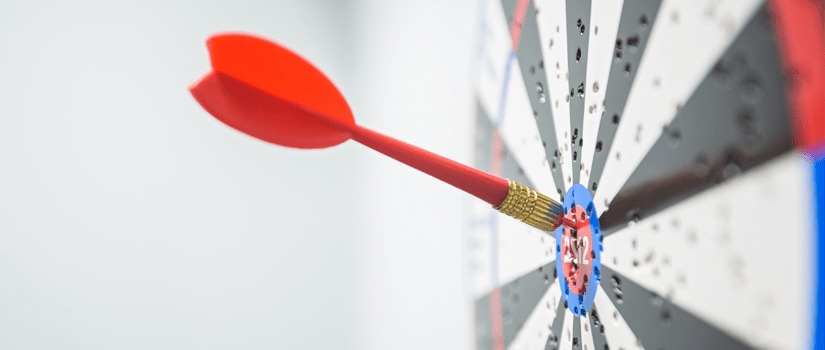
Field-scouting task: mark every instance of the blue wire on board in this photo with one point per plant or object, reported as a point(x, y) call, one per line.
point(819, 239)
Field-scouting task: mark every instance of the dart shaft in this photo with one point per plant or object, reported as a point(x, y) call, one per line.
point(492, 189)
point(507, 196)
point(269, 92)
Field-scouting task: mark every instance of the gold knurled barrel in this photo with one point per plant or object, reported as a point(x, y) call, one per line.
point(531, 207)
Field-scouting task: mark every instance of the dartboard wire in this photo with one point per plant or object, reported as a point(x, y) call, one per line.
point(519, 132)
point(524, 247)
point(818, 326)
point(800, 25)
point(528, 126)
point(530, 79)
point(552, 27)
point(495, 164)
point(671, 253)
point(503, 160)
point(804, 51)
point(696, 35)
point(518, 128)
point(502, 102)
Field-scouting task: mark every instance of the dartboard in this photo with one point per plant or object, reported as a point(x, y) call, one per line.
point(683, 134)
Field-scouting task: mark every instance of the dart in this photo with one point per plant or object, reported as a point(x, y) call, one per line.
point(265, 90)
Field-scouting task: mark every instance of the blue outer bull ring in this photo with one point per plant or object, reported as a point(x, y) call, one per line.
point(579, 305)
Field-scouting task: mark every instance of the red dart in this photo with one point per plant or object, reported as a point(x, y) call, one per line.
point(265, 90)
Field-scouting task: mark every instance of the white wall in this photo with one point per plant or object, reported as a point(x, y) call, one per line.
point(416, 64)
point(129, 219)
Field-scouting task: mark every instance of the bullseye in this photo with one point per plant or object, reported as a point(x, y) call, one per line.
point(578, 251)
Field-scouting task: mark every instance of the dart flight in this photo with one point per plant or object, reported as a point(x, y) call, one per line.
point(267, 91)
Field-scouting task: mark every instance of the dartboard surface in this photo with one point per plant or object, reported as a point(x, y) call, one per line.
point(676, 131)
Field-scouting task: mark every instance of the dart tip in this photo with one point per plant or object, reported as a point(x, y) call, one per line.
point(569, 223)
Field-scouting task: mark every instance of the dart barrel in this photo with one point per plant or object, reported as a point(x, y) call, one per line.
point(531, 207)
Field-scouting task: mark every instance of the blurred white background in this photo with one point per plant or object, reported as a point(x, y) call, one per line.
point(130, 219)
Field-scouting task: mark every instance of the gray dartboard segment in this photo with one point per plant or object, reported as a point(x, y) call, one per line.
point(554, 340)
point(483, 140)
point(484, 151)
point(736, 119)
point(658, 323)
point(519, 298)
point(577, 333)
point(530, 60)
point(597, 329)
point(578, 37)
point(635, 25)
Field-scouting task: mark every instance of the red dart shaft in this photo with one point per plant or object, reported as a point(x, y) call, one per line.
point(490, 188)
point(507, 196)
point(269, 92)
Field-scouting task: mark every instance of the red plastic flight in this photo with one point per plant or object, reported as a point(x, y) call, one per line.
point(271, 93)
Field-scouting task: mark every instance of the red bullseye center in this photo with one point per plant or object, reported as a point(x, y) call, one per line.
point(577, 251)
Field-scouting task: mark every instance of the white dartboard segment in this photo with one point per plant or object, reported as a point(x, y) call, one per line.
point(480, 262)
point(519, 131)
point(552, 22)
point(501, 314)
point(503, 249)
point(682, 49)
point(604, 22)
point(503, 96)
point(637, 19)
point(536, 330)
point(523, 18)
point(616, 331)
point(724, 245)
point(566, 338)
point(587, 333)
point(521, 249)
